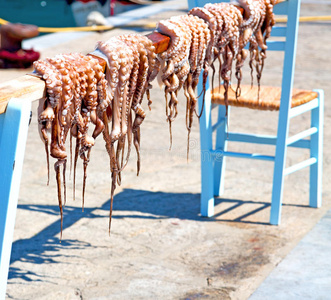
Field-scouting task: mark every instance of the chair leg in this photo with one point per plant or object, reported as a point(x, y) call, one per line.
point(279, 167)
point(14, 129)
point(207, 186)
point(277, 190)
point(221, 144)
point(316, 150)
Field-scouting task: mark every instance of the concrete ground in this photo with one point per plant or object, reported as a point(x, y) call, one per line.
point(159, 247)
point(305, 273)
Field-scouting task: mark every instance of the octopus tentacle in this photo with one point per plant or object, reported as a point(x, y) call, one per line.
point(228, 43)
point(148, 61)
point(71, 97)
point(138, 89)
point(212, 22)
point(174, 58)
point(252, 13)
point(199, 45)
point(58, 181)
point(136, 60)
point(253, 30)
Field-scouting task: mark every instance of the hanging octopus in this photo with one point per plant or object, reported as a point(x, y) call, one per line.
point(174, 63)
point(146, 73)
point(214, 33)
point(120, 65)
point(229, 20)
point(196, 61)
point(131, 61)
point(75, 85)
point(268, 23)
point(256, 28)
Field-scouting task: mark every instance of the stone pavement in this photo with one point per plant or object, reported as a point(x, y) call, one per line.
point(305, 273)
point(159, 247)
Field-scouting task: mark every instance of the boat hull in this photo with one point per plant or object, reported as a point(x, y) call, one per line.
point(51, 13)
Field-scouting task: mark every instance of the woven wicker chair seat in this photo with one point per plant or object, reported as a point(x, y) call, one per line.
point(269, 98)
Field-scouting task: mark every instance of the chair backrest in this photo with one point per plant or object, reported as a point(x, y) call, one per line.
point(287, 31)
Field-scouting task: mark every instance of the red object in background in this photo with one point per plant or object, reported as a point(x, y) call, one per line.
point(11, 53)
point(112, 7)
point(20, 59)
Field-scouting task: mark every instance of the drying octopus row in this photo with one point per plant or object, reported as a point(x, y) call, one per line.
point(79, 92)
point(213, 32)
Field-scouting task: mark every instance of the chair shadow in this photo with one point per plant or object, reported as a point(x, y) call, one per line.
point(237, 204)
point(44, 247)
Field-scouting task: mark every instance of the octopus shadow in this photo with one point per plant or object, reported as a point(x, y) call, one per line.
point(44, 247)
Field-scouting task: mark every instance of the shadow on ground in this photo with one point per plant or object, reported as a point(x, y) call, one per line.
point(43, 248)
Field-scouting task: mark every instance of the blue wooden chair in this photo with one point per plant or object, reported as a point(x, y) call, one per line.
point(14, 125)
point(290, 103)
